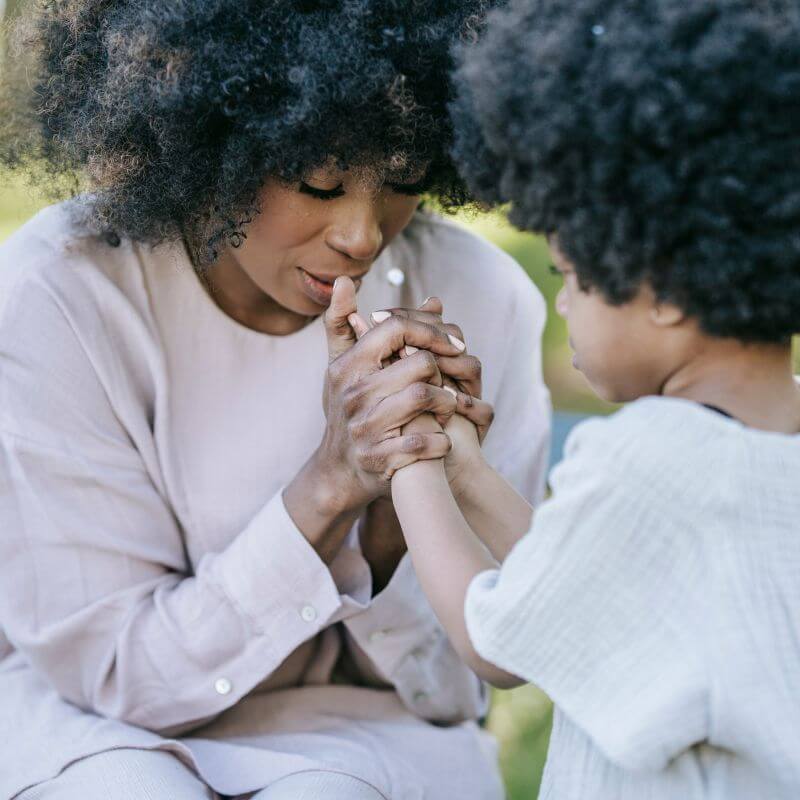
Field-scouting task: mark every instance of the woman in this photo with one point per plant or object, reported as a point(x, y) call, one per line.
point(203, 586)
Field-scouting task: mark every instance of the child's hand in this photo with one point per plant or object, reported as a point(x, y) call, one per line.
point(466, 456)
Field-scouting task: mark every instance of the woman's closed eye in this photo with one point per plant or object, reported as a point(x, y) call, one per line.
point(321, 194)
point(411, 189)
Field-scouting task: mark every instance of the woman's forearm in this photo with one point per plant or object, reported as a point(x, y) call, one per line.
point(493, 508)
point(319, 509)
point(446, 553)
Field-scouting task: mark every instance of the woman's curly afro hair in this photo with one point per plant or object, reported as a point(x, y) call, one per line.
point(659, 139)
point(176, 112)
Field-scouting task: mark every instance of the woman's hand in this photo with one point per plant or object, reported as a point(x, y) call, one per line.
point(461, 374)
point(366, 407)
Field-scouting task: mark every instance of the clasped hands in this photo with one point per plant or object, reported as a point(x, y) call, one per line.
point(401, 389)
point(398, 391)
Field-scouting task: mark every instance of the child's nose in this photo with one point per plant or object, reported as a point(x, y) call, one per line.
point(561, 302)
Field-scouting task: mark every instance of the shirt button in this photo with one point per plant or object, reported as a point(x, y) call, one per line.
point(222, 686)
point(396, 276)
point(378, 636)
point(309, 613)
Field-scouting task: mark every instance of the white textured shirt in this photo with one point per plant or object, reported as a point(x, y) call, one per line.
point(656, 599)
point(154, 592)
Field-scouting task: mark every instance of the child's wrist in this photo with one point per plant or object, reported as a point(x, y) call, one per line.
point(423, 473)
point(466, 478)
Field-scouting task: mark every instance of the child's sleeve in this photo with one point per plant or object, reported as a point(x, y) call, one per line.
point(599, 604)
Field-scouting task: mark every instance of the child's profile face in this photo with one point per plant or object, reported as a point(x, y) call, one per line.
point(617, 348)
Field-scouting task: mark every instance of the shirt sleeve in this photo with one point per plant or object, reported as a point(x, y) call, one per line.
point(95, 586)
point(399, 637)
point(599, 605)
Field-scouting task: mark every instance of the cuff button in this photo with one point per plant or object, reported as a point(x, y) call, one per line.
point(308, 613)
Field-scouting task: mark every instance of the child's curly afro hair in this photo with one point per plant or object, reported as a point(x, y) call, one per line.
point(660, 140)
point(174, 113)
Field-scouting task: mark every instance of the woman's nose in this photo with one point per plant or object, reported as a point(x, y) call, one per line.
point(357, 235)
point(561, 302)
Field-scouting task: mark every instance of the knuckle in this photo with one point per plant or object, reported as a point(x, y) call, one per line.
point(420, 393)
point(358, 429)
point(368, 460)
point(473, 367)
point(353, 399)
point(395, 325)
point(413, 443)
point(428, 363)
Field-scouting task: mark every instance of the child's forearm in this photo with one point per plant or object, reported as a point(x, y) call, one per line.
point(495, 511)
point(446, 555)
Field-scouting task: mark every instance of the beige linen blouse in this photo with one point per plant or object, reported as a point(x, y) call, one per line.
point(154, 592)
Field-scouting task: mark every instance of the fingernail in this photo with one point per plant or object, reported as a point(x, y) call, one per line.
point(411, 350)
point(451, 390)
point(457, 343)
point(380, 316)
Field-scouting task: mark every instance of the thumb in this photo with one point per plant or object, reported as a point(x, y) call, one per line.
point(341, 336)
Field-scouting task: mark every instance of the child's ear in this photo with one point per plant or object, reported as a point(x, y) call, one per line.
point(666, 315)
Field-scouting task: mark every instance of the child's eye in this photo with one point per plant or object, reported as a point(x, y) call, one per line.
point(420, 187)
point(321, 194)
point(554, 270)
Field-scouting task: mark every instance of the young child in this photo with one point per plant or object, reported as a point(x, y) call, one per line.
point(656, 596)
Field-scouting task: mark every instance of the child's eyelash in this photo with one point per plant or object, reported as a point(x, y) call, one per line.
point(554, 270)
point(420, 187)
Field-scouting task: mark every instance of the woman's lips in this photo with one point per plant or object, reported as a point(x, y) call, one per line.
point(317, 289)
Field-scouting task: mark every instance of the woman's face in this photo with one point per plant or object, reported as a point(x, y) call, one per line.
point(335, 222)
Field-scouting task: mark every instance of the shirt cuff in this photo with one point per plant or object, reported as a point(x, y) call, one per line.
point(275, 578)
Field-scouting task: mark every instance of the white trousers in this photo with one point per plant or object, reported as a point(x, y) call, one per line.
point(128, 774)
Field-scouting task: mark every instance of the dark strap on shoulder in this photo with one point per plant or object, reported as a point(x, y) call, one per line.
point(719, 411)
